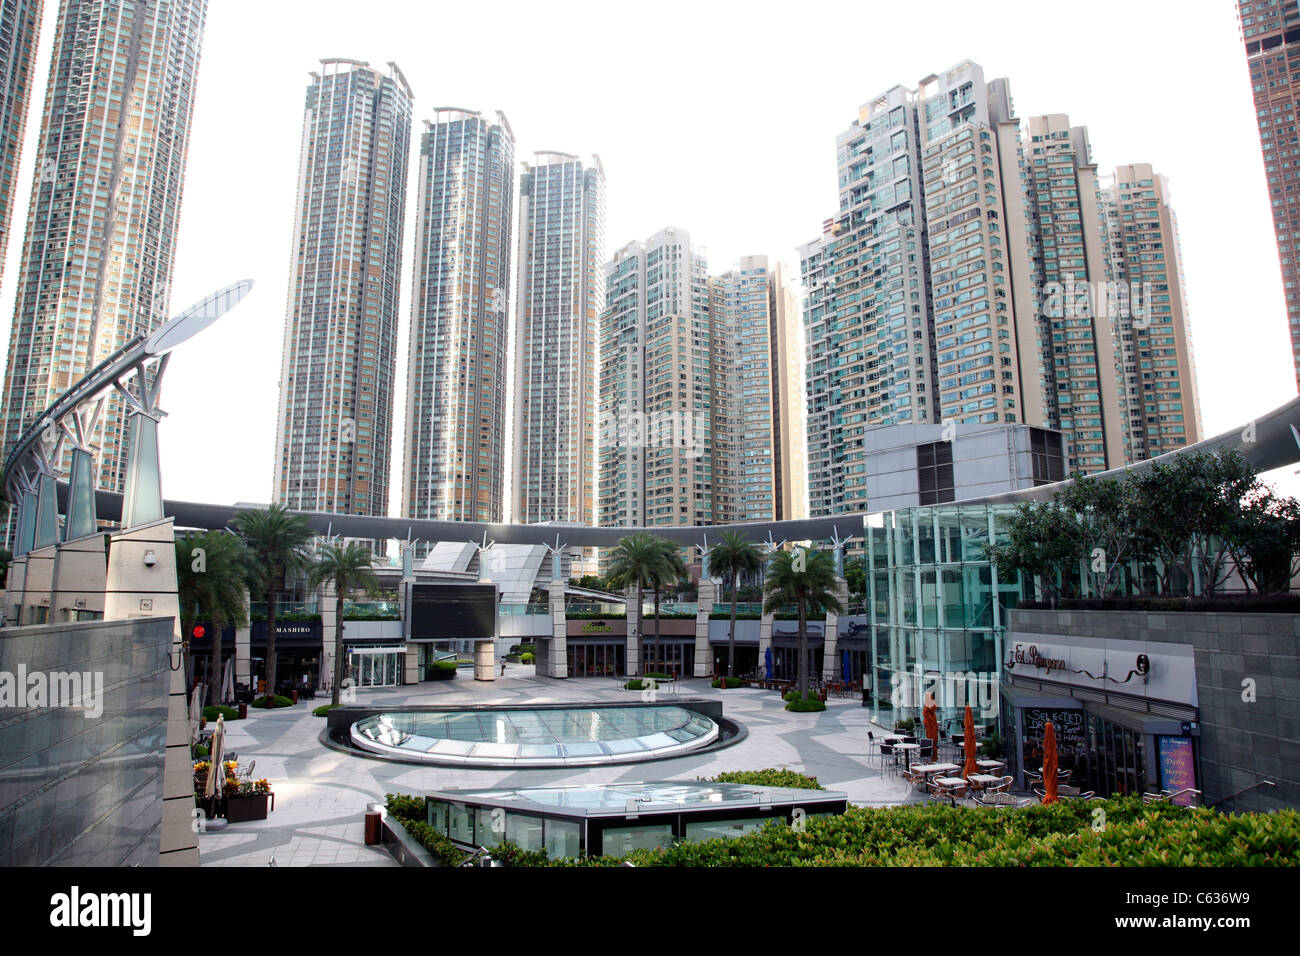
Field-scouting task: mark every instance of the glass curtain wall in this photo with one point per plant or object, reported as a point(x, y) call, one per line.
point(937, 605)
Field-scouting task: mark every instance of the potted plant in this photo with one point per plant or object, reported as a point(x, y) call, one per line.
point(248, 801)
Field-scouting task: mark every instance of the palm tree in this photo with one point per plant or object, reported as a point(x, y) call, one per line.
point(278, 542)
point(348, 569)
point(644, 560)
point(211, 571)
point(732, 556)
point(812, 588)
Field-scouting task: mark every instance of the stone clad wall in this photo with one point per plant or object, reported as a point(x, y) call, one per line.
point(78, 790)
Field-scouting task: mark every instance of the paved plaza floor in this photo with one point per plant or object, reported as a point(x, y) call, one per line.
point(321, 794)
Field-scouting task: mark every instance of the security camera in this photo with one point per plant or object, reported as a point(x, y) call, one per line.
point(150, 559)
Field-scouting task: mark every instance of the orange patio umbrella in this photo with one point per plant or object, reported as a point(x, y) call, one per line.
point(1049, 764)
point(970, 766)
point(930, 717)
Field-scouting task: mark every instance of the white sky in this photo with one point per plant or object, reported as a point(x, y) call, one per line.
point(719, 118)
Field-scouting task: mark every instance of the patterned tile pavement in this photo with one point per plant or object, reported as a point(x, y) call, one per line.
point(321, 794)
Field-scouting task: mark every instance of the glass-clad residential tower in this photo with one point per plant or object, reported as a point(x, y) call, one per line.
point(757, 414)
point(20, 27)
point(656, 389)
point(870, 333)
point(1270, 29)
point(334, 431)
point(454, 466)
point(101, 227)
point(561, 290)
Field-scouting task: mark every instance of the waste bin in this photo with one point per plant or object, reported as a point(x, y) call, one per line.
point(866, 695)
point(374, 824)
point(243, 709)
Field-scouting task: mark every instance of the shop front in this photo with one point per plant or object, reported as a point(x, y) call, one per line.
point(596, 647)
point(1124, 713)
point(298, 646)
point(785, 649)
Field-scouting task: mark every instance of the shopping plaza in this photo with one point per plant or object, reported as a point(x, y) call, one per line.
point(1143, 700)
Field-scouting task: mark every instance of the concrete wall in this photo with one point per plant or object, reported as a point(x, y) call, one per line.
point(78, 790)
point(1242, 741)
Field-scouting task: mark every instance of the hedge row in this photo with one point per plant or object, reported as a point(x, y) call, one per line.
point(1125, 832)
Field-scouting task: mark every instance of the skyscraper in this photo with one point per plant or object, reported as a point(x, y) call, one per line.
point(334, 429)
point(101, 228)
point(1271, 31)
point(1163, 403)
point(994, 287)
point(656, 389)
point(20, 27)
point(454, 465)
point(757, 414)
point(1078, 361)
point(870, 332)
point(967, 172)
point(561, 290)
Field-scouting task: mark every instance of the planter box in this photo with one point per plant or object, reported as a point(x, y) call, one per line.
point(243, 809)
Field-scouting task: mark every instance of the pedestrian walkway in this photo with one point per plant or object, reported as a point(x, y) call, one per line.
point(321, 794)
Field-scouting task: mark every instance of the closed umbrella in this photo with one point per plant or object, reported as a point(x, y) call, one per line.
point(228, 682)
point(196, 712)
point(930, 718)
point(767, 660)
point(846, 666)
point(217, 773)
point(970, 766)
point(1049, 764)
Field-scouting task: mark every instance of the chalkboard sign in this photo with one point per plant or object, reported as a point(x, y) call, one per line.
point(1071, 735)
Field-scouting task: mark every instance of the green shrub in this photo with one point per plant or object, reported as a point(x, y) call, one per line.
point(526, 657)
point(212, 711)
point(729, 682)
point(278, 702)
point(809, 704)
point(324, 709)
point(767, 778)
point(1059, 835)
point(657, 676)
point(201, 751)
point(594, 616)
point(635, 684)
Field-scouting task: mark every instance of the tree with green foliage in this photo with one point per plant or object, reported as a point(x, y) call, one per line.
point(1044, 543)
point(1104, 510)
point(805, 577)
point(6, 558)
point(211, 574)
point(855, 576)
point(1265, 540)
point(348, 568)
point(1187, 508)
point(643, 560)
point(731, 557)
point(279, 542)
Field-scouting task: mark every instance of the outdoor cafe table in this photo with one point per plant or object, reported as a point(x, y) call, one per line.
point(990, 764)
point(950, 781)
point(894, 738)
point(981, 780)
point(929, 768)
point(907, 753)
